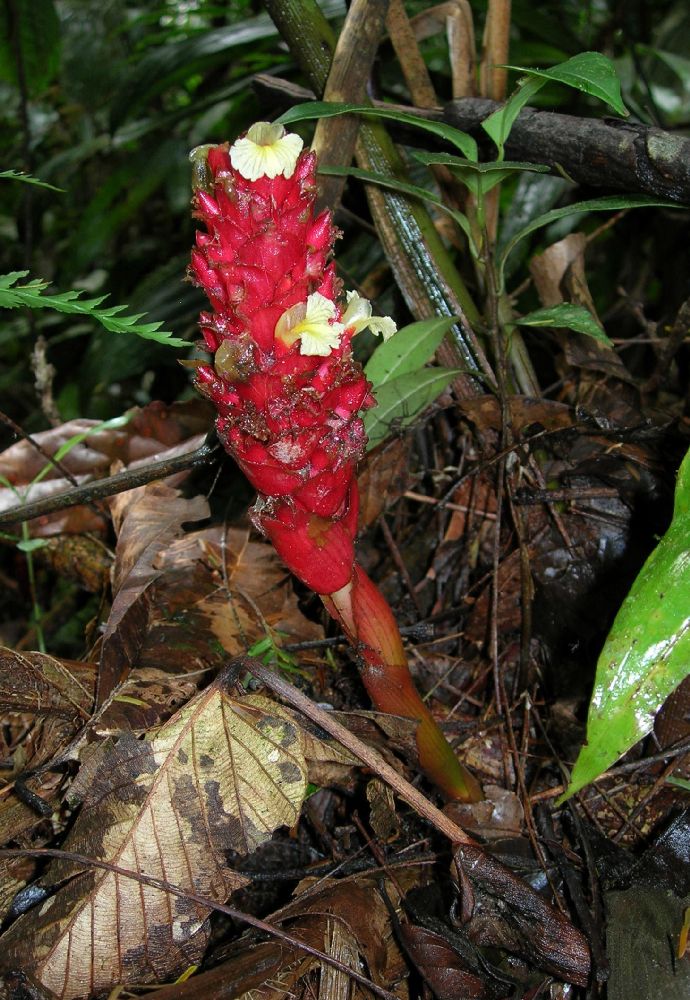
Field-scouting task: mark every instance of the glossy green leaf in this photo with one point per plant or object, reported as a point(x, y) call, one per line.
point(611, 203)
point(647, 652)
point(568, 316)
point(325, 109)
point(408, 351)
point(402, 399)
point(499, 123)
point(590, 72)
point(32, 295)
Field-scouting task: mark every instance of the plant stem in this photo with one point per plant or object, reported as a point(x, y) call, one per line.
point(365, 616)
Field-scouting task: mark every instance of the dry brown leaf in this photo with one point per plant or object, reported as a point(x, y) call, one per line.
point(239, 581)
point(151, 432)
point(220, 776)
point(383, 479)
point(382, 815)
point(147, 520)
point(328, 762)
point(56, 696)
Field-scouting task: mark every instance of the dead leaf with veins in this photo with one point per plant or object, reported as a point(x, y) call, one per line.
point(221, 775)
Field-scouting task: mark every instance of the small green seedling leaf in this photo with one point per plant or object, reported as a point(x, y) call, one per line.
point(18, 175)
point(590, 72)
point(31, 295)
point(326, 109)
point(408, 351)
point(32, 544)
point(402, 399)
point(499, 124)
point(647, 652)
point(568, 316)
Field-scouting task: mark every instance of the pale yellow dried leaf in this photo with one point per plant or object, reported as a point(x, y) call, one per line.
point(220, 776)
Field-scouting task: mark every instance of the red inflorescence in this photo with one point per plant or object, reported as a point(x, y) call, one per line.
point(289, 419)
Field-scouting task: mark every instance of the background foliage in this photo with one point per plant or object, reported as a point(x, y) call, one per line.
point(105, 99)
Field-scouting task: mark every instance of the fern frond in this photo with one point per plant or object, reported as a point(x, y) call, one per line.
point(19, 175)
point(31, 295)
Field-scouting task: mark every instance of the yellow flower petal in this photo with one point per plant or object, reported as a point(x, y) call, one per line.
point(313, 323)
point(266, 151)
point(358, 316)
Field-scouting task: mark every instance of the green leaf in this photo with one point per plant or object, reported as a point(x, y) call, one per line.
point(568, 316)
point(408, 351)
point(115, 423)
point(464, 166)
point(478, 177)
point(590, 72)
point(326, 109)
point(678, 782)
point(17, 175)
point(402, 399)
point(611, 203)
point(498, 125)
point(13, 296)
point(647, 652)
point(403, 188)
point(31, 544)
point(30, 39)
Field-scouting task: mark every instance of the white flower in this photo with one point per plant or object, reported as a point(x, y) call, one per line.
point(266, 151)
point(358, 316)
point(313, 323)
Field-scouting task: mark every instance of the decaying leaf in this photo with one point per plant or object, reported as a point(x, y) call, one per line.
point(238, 581)
point(147, 520)
point(220, 776)
point(55, 694)
point(86, 449)
point(507, 913)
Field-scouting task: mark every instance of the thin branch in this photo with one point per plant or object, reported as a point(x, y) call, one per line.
point(119, 483)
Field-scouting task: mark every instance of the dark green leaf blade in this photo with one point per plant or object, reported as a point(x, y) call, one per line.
point(610, 203)
point(403, 188)
point(29, 43)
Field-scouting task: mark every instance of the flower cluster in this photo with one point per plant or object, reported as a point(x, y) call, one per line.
point(286, 387)
point(288, 394)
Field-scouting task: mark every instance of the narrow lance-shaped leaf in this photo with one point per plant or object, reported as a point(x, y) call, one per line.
point(568, 316)
point(647, 652)
point(611, 203)
point(402, 399)
point(326, 109)
point(408, 351)
point(31, 295)
point(393, 184)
